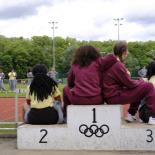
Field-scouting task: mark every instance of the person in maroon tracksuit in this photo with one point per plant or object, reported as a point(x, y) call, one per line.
point(84, 79)
point(119, 88)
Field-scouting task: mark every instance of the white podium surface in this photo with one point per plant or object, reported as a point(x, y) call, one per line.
point(93, 127)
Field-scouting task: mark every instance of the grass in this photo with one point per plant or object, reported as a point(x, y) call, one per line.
point(22, 90)
point(8, 131)
point(9, 93)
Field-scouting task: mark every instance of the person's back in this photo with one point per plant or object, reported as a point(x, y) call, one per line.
point(119, 88)
point(116, 77)
point(41, 97)
point(84, 78)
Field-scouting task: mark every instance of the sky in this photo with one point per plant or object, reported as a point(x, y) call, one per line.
point(80, 19)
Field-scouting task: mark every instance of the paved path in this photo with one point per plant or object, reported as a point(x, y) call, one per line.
point(8, 147)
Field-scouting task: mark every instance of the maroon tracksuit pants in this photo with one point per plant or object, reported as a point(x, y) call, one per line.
point(145, 91)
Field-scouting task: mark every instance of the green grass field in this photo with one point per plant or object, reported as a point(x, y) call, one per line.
point(21, 90)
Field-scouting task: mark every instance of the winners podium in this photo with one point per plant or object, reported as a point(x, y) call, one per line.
point(89, 127)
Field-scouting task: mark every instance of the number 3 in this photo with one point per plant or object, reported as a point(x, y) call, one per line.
point(149, 135)
point(45, 133)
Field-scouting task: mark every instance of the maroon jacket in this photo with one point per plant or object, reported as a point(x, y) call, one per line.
point(85, 81)
point(115, 77)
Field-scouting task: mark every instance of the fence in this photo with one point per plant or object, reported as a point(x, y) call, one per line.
point(10, 113)
point(11, 103)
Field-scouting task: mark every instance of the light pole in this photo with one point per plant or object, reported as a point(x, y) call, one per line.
point(118, 24)
point(53, 43)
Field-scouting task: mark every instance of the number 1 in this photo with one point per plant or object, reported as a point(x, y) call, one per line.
point(94, 115)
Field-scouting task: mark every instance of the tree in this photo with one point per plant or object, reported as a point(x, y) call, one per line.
point(67, 58)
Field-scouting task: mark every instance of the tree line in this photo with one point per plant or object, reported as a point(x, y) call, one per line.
point(22, 53)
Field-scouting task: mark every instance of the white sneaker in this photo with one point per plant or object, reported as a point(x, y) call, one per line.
point(140, 121)
point(151, 120)
point(130, 118)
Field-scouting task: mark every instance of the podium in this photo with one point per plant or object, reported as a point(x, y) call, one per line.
point(89, 127)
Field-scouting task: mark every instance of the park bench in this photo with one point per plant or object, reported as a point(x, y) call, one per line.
point(92, 127)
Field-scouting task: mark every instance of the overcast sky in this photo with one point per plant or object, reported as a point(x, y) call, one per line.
point(80, 19)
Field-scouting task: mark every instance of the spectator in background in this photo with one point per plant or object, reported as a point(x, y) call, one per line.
point(52, 73)
point(2, 76)
point(12, 80)
point(29, 76)
point(142, 72)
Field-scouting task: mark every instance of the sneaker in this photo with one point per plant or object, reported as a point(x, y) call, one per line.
point(151, 120)
point(141, 121)
point(130, 118)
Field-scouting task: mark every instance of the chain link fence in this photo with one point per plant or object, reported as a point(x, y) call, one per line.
point(11, 106)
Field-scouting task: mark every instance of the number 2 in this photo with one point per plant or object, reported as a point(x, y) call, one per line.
point(45, 133)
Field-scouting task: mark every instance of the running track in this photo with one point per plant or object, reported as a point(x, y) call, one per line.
point(7, 109)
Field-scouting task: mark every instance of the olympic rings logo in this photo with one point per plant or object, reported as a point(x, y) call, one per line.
point(94, 130)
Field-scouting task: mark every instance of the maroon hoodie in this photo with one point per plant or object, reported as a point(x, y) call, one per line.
point(85, 81)
point(115, 77)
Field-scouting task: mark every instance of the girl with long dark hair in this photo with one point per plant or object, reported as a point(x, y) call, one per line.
point(42, 96)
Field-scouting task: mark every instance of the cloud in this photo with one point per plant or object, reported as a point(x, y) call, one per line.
point(17, 12)
point(143, 19)
point(81, 19)
point(20, 9)
point(140, 12)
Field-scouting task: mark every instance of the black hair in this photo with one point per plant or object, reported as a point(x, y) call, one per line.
point(42, 86)
point(151, 70)
point(84, 55)
point(119, 48)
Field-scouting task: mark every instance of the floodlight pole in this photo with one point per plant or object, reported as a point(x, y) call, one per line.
point(118, 24)
point(53, 43)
